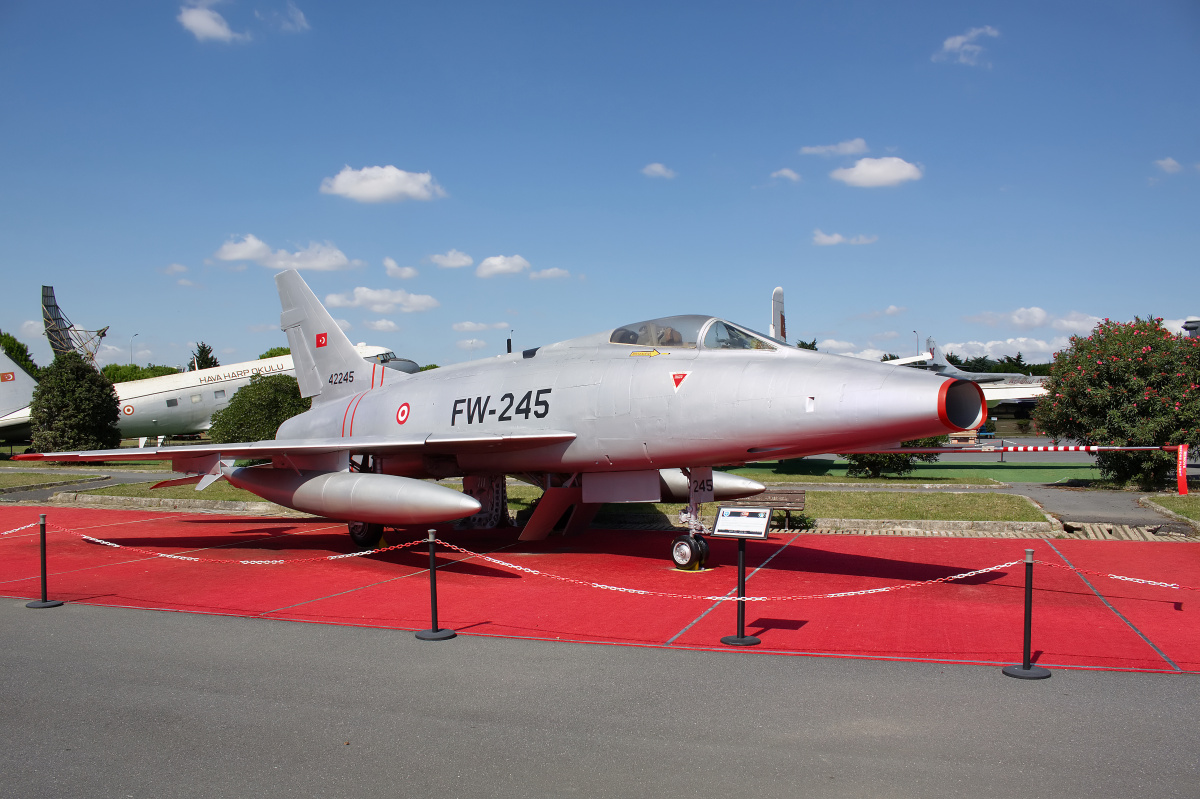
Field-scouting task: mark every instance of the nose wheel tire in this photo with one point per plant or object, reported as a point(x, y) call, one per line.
point(689, 553)
point(365, 535)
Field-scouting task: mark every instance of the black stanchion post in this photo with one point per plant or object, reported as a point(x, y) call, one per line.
point(741, 639)
point(1027, 671)
point(43, 603)
point(434, 633)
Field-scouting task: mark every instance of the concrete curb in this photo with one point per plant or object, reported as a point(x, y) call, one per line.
point(1148, 502)
point(53, 484)
point(657, 522)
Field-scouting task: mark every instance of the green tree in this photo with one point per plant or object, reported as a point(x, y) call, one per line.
point(124, 372)
point(429, 366)
point(275, 352)
point(1133, 384)
point(953, 359)
point(19, 353)
point(876, 465)
point(256, 411)
point(203, 358)
point(807, 345)
point(888, 356)
point(74, 407)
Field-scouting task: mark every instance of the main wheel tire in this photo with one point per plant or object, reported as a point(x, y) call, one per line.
point(365, 535)
point(703, 546)
point(685, 552)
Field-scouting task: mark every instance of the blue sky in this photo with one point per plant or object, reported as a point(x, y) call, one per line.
point(995, 175)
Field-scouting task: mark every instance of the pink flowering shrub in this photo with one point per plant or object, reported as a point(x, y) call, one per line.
point(1127, 384)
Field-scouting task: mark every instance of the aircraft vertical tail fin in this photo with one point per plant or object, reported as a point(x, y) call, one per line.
point(327, 365)
point(16, 386)
point(778, 322)
point(936, 356)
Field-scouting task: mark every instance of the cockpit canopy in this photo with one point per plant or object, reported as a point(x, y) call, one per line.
point(688, 332)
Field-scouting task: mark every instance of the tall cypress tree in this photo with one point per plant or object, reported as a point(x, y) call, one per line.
point(74, 407)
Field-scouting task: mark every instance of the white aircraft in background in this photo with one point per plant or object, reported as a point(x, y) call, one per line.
point(170, 405)
point(998, 387)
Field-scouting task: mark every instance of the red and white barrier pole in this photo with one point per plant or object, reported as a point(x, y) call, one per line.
point(1181, 469)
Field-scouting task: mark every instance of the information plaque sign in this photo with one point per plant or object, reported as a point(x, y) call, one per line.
point(742, 523)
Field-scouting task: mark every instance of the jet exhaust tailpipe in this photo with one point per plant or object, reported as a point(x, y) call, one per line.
point(376, 498)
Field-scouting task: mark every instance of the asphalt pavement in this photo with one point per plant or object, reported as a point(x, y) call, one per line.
point(138, 703)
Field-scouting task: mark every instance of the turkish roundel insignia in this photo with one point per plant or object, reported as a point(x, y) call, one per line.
point(7, 376)
point(322, 339)
point(677, 378)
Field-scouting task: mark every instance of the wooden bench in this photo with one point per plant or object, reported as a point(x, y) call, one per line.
point(784, 499)
point(967, 438)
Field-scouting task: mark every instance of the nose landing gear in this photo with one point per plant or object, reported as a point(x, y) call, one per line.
point(689, 552)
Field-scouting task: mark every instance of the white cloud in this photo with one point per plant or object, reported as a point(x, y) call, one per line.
point(887, 335)
point(183, 281)
point(894, 310)
point(657, 170)
point(343, 324)
point(1076, 323)
point(551, 273)
point(501, 265)
point(382, 300)
point(318, 257)
point(452, 260)
point(787, 174)
point(382, 184)
point(870, 354)
point(833, 345)
point(382, 325)
point(395, 270)
point(830, 239)
point(290, 21)
point(32, 329)
point(871, 172)
point(174, 269)
point(293, 20)
point(1033, 350)
point(963, 48)
point(471, 344)
point(1168, 165)
point(475, 327)
point(206, 24)
point(848, 147)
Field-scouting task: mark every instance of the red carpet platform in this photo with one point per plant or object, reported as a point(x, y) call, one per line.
point(1080, 620)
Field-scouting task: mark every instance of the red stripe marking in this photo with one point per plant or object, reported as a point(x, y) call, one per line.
point(344, 414)
point(360, 399)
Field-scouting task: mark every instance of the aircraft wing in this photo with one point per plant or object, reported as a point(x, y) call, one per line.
point(437, 443)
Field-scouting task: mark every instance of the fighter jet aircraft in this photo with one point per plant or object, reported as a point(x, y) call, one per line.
point(169, 405)
point(611, 417)
point(998, 387)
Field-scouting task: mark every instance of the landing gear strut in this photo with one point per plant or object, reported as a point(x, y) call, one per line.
point(689, 552)
point(365, 535)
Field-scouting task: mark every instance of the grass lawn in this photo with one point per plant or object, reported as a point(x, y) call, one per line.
point(915, 506)
point(820, 504)
point(1188, 506)
point(26, 478)
point(824, 470)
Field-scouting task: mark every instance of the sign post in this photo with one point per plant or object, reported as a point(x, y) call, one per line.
point(741, 523)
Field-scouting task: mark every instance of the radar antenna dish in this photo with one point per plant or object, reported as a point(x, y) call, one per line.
point(63, 335)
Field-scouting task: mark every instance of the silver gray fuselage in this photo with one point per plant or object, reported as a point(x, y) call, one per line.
point(630, 409)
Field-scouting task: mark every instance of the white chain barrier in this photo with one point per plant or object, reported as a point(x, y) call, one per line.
point(617, 588)
point(724, 598)
point(19, 529)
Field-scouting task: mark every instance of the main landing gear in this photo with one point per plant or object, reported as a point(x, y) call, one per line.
point(365, 535)
point(689, 552)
